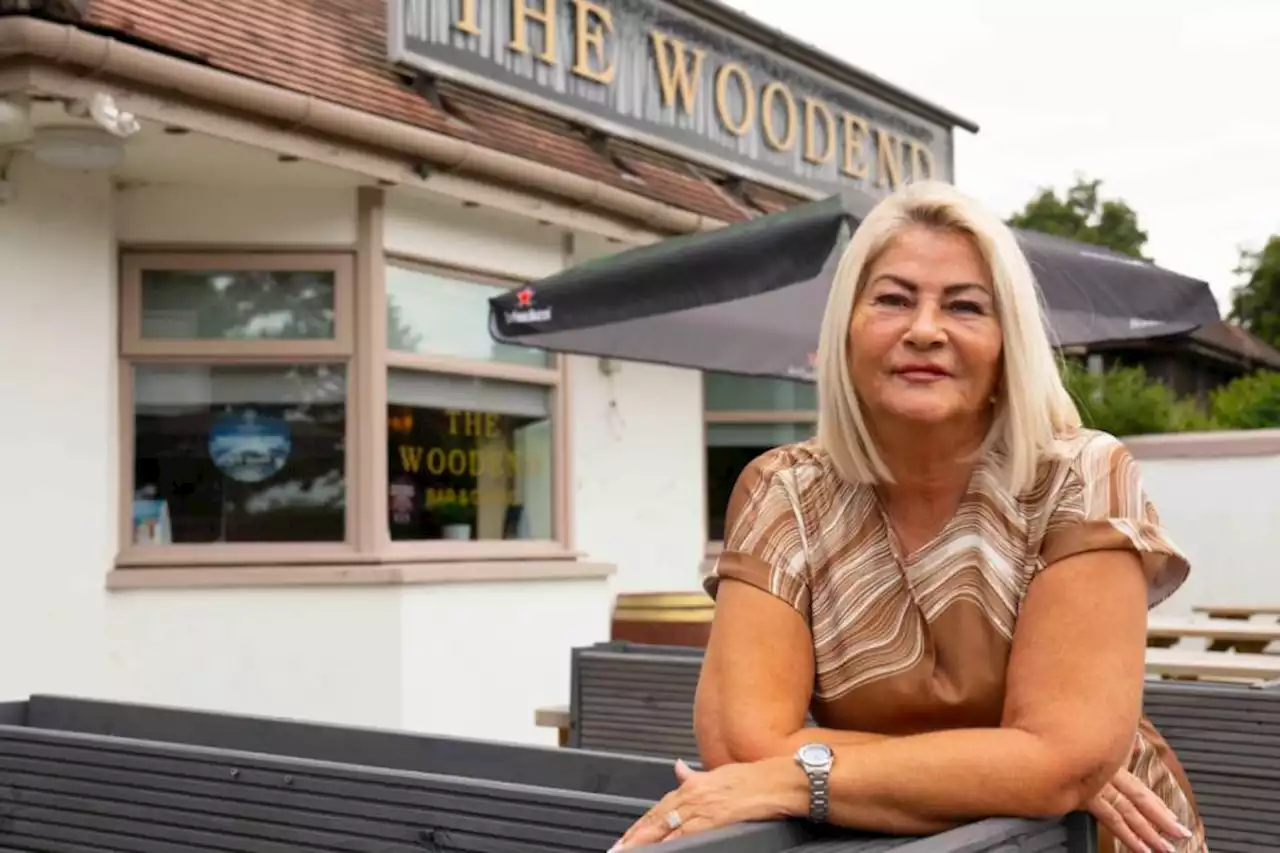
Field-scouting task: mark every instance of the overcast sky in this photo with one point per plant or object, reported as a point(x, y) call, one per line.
point(1171, 103)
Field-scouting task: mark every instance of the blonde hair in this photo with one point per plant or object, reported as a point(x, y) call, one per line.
point(1033, 408)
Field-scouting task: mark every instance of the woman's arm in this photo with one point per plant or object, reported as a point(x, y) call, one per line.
point(1073, 700)
point(759, 648)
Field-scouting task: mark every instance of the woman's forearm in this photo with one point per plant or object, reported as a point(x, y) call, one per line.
point(935, 781)
point(758, 748)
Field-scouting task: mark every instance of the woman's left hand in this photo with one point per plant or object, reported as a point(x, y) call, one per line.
point(732, 793)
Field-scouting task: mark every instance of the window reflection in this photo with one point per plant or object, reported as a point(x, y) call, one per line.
point(238, 304)
point(433, 314)
point(239, 454)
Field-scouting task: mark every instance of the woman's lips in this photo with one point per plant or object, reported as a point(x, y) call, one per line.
point(922, 375)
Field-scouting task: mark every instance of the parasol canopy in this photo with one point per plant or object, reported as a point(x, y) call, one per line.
point(748, 298)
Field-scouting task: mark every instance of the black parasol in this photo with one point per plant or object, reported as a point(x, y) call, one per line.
point(748, 298)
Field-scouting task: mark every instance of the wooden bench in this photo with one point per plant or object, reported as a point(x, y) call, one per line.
point(1227, 738)
point(79, 776)
point(1222, 634)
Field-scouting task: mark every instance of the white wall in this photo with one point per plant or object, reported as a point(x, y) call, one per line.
point(236, 216)
point(1224, 513)
point(639, 473)
point(57, 428)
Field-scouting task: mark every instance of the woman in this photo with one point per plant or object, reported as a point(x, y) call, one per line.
point(953, 577)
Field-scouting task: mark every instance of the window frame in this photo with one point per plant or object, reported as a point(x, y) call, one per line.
point(745, 417)
point(553, 378)
point(133, 264)
point(134, 350)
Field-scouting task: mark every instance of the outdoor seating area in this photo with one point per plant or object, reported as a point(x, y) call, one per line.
point(638, 700)
point(85, 776)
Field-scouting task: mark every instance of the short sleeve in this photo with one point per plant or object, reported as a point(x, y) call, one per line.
point(764, 535)
point(1102, 506)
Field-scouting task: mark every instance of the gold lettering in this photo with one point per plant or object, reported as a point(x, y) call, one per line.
point(855, 133)
point(467, 22)
point(457, 462)
point(520, 16)
point(675, 77)
point(410, 458)
point(814, 109)
point(888, 159)
point(472, 422)
point(733, 69)
point(492, 425)
point(589, 38)
point(435, 461)
point(513, 461)
point(772, 91)
point(923, 166)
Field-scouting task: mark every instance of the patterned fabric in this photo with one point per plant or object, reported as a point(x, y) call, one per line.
point(907, 643)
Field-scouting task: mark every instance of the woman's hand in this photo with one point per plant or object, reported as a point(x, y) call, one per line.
point(732, 793)
point(1136, 816)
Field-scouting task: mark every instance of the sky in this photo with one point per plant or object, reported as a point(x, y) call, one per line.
point(1172, 104)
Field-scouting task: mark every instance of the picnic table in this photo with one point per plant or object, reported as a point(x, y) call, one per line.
point(1223, 634)
point(554, 717)
point(1213, 666)
point(1237, 611)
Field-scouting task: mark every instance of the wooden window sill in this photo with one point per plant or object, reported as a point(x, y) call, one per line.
point(366, 574)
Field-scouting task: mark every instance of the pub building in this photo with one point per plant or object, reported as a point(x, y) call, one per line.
point(260, 442)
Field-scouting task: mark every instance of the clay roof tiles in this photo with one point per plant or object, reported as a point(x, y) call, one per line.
point(335, 50)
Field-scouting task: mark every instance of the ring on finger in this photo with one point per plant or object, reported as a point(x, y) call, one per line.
point(673, 819)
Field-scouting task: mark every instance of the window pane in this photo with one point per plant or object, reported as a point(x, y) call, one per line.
point(730, 448)
point(725, 392)
point(217, 304)
point(239, 454)
point(433, 314)
point(468, 458)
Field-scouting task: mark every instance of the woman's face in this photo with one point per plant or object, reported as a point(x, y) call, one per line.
point(924, 340)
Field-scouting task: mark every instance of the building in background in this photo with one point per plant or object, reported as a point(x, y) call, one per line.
point(260, 451)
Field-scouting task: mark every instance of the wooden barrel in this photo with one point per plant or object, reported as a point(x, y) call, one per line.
point(663, 618)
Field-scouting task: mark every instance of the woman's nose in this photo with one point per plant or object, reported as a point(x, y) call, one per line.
point(925, 330)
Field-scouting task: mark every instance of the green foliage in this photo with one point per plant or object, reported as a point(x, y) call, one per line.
point(452, 512)
point(1123, 401)
point(1255, 304)
point(1084, 216)
point(1250, 402)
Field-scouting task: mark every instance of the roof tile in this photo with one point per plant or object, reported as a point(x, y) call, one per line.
point(335, 50)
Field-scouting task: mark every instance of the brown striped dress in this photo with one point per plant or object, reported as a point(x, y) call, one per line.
point(906, 644)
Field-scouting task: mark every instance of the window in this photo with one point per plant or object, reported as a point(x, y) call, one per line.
point(235, 389)
point(745, 416)
point(473, 451)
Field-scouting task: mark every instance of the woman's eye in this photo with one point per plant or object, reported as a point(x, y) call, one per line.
point(896, 300)
point(967, 307)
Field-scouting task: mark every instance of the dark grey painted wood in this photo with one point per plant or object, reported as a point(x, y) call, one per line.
point(72, 781)
point(1228, 740)
point(628, 776)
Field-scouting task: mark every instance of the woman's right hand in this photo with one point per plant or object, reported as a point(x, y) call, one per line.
point(1136, 816)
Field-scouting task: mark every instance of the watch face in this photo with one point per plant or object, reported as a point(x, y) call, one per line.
point(815, 753)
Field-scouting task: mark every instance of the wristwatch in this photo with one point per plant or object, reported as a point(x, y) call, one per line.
point(815, 759)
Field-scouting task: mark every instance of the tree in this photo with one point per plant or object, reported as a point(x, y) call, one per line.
point(1123, 401)
point(1255, 304)
point(1085, 216)
point(1250, 402)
